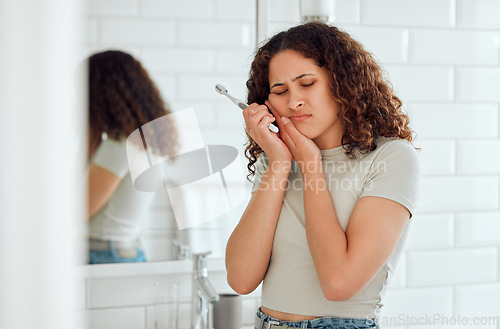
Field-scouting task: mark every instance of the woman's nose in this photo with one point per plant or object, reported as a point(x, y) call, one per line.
point(296, 101)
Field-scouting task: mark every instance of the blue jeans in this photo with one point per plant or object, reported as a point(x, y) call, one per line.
point(323, 322)
point(112, 256)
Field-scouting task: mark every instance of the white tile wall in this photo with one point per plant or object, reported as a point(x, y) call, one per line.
point(388, 45)
point(478, 229)
point(421, 235)
point(459, 193)
point(437, 156)
point(478, 84)
point(478, 157)
point(126, 318)
point(479, 14)
point(443, 58)
point(112, 7)
point(423, 301)
point(137, 31)
point(178, 60)
point(232, 35)
point(478, 300)
point(422, 83)
point(435, 13)
point(190, 9)
point(454, 47)
point(452, 266)
point(428, 120)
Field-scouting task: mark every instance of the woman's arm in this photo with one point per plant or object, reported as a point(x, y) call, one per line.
point(346, 262)
point(249, 248)
point(101, 186)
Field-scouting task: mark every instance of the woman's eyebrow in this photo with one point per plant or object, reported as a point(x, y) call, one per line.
point(293, 80)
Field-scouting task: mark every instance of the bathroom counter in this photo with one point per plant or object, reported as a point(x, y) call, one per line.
point(147, 268)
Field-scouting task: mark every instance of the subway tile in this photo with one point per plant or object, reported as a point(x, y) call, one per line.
point(388, 45)
point(479, 14)
point(97, 48)
point(178, 60)
point(185, 316)
point(478, 157)
point(204, 112)
point(248, 309)
point(230, 116)
point(135, 290)
point(160, 219)
point(234, 61)
point(421, 237)
point(90, 29)
point(123, 318)
point(216, 34)
point(283, 10)
point(158, 244)
point(178, 9)
point(432, 121)
point(459, 193)
point(165, 84)
point(417, 302)
point(437, 157)
point(399, 278)
point(138, 31)
point(232, 137)
point(201, 240)
point(478, 84)
point(112, 7)
point(205, 87)
point(422, 83)
point(454, 47)
point(347, 11)
point(409, 12)
point(478, 229)
point(478, 300)
point(274, 28)
point(452, 266)
point(237, 10)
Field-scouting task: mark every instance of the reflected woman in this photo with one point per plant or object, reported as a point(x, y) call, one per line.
point(122, 98)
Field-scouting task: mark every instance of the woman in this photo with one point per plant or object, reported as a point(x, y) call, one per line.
point(333, 191)
point(122, 98)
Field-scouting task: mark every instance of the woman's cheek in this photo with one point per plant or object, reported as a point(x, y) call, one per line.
point(276, 103)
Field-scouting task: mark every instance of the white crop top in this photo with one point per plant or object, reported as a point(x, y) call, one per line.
point(291, 284)
point(121, 219)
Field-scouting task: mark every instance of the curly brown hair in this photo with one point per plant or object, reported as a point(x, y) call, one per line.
point(368, 106)
point(122, 98)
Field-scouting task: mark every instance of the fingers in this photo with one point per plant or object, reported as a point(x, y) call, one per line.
point(256, 118)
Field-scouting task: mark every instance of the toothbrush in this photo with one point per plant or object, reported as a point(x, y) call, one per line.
point(223, 91)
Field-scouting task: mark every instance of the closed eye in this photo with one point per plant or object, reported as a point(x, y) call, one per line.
point(308, 85)
point(281, 92)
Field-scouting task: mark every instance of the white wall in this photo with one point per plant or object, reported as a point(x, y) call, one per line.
point(443, 59)
point(41, 195)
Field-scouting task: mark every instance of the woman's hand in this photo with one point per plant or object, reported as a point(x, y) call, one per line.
point(304, 150)
point(257, 119)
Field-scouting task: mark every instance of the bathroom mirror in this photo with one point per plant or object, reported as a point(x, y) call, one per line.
point(187, 48)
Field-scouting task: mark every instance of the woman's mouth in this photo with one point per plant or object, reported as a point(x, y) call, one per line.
point(298, 118)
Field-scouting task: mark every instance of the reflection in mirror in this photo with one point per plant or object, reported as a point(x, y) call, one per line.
point(122, 99)
point(185, 55)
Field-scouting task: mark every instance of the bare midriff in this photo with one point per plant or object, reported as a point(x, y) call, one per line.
point(286, 316)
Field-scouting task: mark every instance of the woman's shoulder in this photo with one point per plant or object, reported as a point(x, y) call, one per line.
point(389, 145)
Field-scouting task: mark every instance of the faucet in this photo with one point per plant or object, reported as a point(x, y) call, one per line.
point(203, 293)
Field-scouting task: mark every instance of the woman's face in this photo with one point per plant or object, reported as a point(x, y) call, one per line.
point(300, 90)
